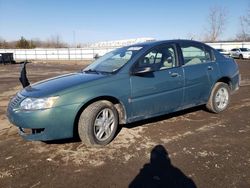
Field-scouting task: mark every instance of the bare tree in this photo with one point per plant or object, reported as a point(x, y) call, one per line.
point(55, 41)
point(244, 33)
point(216, 23)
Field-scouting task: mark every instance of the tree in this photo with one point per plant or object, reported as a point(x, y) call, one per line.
point(216, 23)
point(32, 44)
point(244, 33)
point(3, 43)
point(23, 43)
point(55, 41)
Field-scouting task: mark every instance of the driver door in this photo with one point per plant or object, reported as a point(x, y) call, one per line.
point(159, 90)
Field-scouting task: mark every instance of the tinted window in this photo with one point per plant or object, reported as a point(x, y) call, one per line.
point(196, 54)
point(159, 58)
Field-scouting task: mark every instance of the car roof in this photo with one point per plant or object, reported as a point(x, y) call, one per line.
point(155, 43)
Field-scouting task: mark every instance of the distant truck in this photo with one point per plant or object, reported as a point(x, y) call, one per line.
point(6, 58)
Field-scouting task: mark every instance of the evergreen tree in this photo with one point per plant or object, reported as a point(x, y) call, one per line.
point(23, 43)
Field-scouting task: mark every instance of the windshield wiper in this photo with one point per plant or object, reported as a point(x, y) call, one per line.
point(91, 71)
point(96, 71)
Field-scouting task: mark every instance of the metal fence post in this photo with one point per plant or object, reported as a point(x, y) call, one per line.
point(69, 53)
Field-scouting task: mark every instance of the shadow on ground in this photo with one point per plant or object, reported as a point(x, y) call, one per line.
point(161, 173)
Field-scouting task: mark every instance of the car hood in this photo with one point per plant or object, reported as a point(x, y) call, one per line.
point(58, 84)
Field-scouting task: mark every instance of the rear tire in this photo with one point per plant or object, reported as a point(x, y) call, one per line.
point(98, 123)
point(219, 98)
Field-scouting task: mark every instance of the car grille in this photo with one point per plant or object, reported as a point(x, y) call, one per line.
point(15, 101)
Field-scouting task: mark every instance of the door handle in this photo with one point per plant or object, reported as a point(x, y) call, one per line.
point(175, 74)
point(210, 68)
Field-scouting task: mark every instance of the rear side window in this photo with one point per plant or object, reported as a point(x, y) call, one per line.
point(196, 54)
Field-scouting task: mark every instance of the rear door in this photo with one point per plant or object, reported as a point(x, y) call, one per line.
point(200, 72)
point(159, 91)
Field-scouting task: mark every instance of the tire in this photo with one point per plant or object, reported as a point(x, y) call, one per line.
point(219, 98)
point(98, 123)
point(241, 56)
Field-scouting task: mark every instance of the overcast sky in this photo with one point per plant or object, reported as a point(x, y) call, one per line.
point(102, 20)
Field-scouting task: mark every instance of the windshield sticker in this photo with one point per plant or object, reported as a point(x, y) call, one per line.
point(135, 48)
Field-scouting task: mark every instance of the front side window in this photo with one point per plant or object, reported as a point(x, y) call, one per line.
point(196, 54)
point(159, 59)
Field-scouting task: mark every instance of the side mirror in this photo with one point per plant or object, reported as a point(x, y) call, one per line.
point(142, 70)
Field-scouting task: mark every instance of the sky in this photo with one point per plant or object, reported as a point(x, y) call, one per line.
point(88, 21)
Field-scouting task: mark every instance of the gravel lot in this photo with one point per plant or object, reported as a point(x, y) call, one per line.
point(191, 148)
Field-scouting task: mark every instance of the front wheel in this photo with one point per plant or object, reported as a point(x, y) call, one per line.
point(241, 56)
point(219, 98)
point(98, 123)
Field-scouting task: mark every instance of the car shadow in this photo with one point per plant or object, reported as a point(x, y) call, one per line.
point(159, 172)
point(164, 117)
point(75, 139)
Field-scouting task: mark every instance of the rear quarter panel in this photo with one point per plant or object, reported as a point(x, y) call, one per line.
point(229, 69)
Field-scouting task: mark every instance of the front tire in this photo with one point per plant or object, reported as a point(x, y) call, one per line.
point(219, 98)
point(98, 123)
point(241, 56)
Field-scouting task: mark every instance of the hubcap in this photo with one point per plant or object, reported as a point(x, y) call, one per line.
point(221, 98)
point(104, 124)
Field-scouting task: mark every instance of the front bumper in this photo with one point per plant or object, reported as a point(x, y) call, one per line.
point(49, 124)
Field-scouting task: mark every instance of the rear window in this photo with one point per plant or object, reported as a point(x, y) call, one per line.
point(244, 49)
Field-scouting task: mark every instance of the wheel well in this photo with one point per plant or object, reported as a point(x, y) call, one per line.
point(118, 105)
point(226, 80)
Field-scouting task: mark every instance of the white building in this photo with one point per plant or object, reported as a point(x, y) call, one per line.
point(120, 43)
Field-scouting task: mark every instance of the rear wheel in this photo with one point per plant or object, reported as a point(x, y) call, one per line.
point(219, 98)
point(98, 123)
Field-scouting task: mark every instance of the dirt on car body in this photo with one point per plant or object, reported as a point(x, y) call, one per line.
point(192, 148)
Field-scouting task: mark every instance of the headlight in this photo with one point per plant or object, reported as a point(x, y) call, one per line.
point(38, 103)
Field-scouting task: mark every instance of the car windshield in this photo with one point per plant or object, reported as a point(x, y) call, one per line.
point(114, 60)
point(244, 49)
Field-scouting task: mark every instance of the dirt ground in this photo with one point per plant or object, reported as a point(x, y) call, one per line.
point(191, 148)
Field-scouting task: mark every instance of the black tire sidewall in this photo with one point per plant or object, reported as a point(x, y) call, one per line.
point(89, 117)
